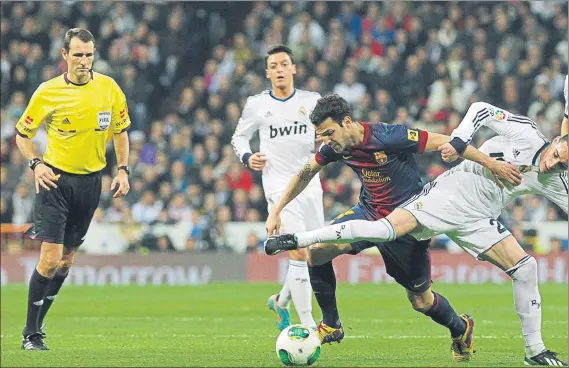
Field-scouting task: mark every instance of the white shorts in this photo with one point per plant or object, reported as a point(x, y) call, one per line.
point(442, 209)
point(304, 213)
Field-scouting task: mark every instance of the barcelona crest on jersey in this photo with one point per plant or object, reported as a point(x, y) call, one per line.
point(380, 157)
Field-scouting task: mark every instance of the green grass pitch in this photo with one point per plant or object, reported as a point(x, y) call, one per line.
point(229, 325)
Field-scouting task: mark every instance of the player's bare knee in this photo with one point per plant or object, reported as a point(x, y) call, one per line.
point(47, 268)
point(315, 255)
point(64, 267)
point(298, 255)
point(49, 262)
point(402, 221)
point(50, 256)
point(421, 302)
point(66, 261)
point(320, 254)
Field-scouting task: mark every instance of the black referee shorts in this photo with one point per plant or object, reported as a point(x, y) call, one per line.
point(62, 215)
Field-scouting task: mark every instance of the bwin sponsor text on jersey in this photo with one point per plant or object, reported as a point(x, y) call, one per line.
point(295, 129)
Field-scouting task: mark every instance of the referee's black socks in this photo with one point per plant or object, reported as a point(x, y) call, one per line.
point(52, 290)
point(37, 291)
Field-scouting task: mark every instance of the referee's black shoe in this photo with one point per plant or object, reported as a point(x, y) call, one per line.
point(34, 341)
point(276, 244)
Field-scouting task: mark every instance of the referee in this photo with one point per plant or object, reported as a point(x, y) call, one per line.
point(79, 108)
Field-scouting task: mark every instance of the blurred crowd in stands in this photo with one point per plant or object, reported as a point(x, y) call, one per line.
point(188, 67)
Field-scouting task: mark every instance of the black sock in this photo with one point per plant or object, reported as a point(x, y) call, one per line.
point(36, 293)
point(52, 291)
point(442, 313)
point(323, 282)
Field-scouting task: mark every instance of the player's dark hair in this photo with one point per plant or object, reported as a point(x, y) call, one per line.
point(278, 49)
point(81, 33)
point(330, 106)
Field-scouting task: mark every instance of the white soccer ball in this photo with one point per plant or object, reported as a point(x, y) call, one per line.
point(298, 345)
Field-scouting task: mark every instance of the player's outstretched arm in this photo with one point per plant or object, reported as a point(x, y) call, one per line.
point(564, 126)
point(298, 183)
point(501, 169)
point(435, 140)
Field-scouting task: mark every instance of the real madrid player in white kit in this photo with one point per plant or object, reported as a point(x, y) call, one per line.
point(287, 141)
point(465, 203)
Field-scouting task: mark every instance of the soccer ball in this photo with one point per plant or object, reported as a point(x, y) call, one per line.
point(298, 345)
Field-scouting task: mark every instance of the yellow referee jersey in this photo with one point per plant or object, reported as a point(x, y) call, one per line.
point(78, 119)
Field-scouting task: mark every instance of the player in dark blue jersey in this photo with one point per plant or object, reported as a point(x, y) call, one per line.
point(382, 156)
point(384, 163)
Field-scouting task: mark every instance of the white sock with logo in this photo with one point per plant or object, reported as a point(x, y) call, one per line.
point(301, 291)
point(528, 303)
point(348, 232)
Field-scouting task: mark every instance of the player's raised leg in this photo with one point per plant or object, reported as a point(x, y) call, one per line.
point(396, 224)
point(522, 268)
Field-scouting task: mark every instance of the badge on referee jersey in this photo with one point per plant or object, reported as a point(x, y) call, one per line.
point(104, 120)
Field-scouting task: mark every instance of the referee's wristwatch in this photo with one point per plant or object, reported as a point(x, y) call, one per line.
point(125, 168)
point(34, 162)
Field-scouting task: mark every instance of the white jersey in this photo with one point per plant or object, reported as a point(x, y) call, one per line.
point(287, 136)
point(566, 94)
point(465, 202)
point(518, 142)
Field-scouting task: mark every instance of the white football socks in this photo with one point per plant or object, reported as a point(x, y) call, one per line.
point(298, 281)
point(348, 232)
point(284, 294)
point(528, 303)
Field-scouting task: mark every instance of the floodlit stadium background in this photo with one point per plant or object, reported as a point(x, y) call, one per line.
point(187, 69)
point(195, 215)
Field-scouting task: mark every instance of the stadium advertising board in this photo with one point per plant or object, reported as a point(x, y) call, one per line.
point(446, 268)
point(196, 269)
point(152, 269)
